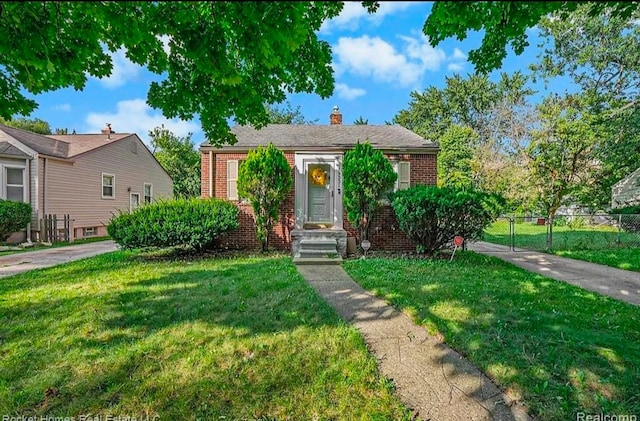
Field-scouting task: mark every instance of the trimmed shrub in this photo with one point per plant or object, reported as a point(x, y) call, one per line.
point(14, 216)
point(193, 223)
point(367, 177)
point(265, 179)
point(433, 216)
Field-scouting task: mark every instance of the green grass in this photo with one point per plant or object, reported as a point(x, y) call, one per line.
point(592, 244)
point(534, 237)
point(628, 259)
point(233, 338)
point(39, 246)
point(560, 348)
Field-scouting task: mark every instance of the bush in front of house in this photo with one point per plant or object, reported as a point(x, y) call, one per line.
point(14, 216)
point(367, 177)
point(193, 223)
point(432, 216)
point(629, 218)
point(265, 179)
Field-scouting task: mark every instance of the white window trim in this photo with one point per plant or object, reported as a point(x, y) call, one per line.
point(113, 186)
point(131, 194)
point(230, 164)
point(5, 184)
point(396, 168)
point(235, 197)
point(144, 191)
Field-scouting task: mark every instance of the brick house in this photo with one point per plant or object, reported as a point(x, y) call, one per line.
point(315, 209)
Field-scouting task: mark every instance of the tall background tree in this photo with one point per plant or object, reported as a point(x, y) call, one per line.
point(481, 126)
point(504, 23)
point(600, 52)
point(561, 152)
point(213, 69)
point(286, 114)
point(34, 125)
point(180, 159)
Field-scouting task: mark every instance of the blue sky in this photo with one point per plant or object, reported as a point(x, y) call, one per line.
point(378, 60)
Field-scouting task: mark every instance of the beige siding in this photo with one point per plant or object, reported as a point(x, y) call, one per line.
point(76, 188)
point(33, 192)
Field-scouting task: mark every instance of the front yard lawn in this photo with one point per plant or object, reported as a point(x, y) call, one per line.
point(562, 349)
point(225, 338)
point(628, 259)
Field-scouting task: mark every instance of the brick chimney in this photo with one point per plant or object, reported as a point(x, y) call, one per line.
point(336, 116)
point(107, 130)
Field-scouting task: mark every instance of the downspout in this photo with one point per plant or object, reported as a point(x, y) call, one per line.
point(28, 191)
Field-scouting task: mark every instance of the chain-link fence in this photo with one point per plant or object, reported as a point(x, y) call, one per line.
point(566, 232)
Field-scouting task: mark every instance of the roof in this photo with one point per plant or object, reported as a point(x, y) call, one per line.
point(37, 142)
point(61, 146)
point(81, 143)
point(7, 149)
point(337, 136)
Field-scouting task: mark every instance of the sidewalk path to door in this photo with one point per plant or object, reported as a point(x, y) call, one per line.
point(13, 264)
point(621, 284)
point(432, 379)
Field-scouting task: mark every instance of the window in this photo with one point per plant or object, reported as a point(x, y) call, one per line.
point(89, 231)
point(148, 192)
point(232, 178)
point(134, 201)
point(108, 186)
point(14, 184)
point(403, 169)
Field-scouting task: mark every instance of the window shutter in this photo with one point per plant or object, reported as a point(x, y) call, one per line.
point(232, 180)
point(404, 175)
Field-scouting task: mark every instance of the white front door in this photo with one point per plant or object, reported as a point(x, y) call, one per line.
point(319, 195)
point(318, 190)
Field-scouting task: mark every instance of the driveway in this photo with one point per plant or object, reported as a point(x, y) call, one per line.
point(621, 284)
point(13, 264)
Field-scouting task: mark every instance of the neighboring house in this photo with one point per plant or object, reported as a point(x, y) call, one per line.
point(310, 207)
point(626, 192)
point(89, 177)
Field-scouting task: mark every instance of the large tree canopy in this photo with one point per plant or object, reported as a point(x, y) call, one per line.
point(225, 59)
point(504, 23)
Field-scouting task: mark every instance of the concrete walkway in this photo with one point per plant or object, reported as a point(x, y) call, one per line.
point(430, 378)
point(621, 284)
point(15, 263)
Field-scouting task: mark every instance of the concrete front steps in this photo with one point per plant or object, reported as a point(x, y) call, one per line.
point(319, 246)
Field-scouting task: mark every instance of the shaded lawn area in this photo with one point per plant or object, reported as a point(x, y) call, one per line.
point(560, 348)
point(628, 259)
point(241, 338)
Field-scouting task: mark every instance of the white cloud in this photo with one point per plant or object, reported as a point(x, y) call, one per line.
point(420, 50)
point(135, 116)
point(345, 92)
point(458, 55)
point(455, 67)
point(62, 107)
point(353, 13)
point(376, 58)
point(379, 60)
point(124, 70)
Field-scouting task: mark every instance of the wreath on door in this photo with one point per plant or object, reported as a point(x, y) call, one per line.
point(318, 176)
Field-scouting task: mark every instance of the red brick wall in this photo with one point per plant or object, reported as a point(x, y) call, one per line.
point(245, 236)
point(384, 233)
